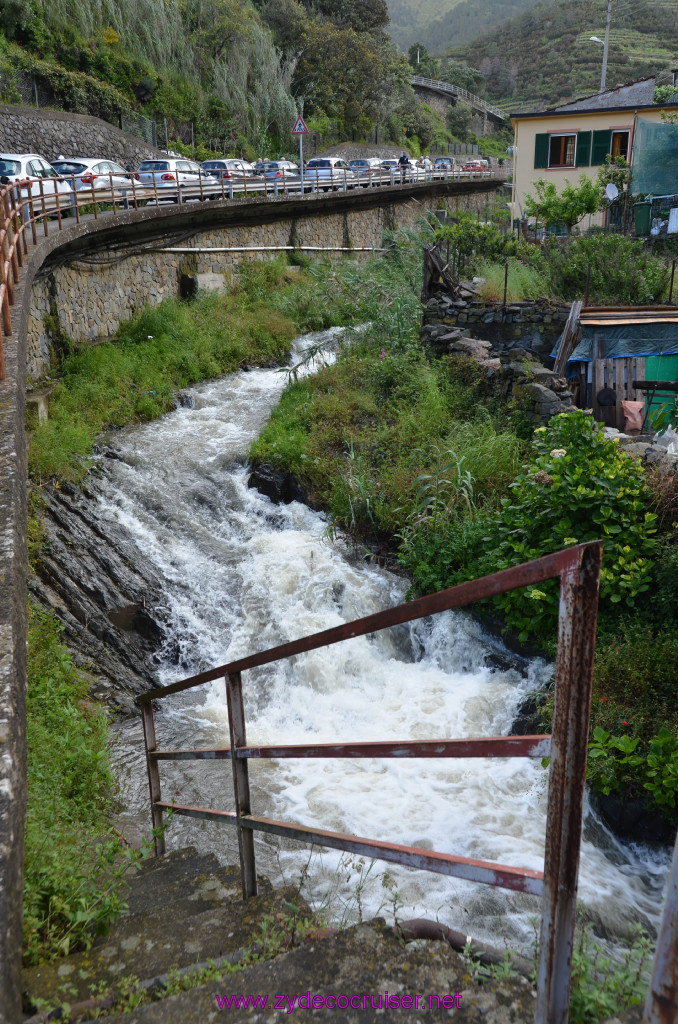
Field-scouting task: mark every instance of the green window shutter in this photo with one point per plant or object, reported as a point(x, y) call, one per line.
point(602, 141)
point(541, 150)
point(583, 158)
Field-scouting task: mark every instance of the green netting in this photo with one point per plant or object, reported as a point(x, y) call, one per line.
point(655, 158)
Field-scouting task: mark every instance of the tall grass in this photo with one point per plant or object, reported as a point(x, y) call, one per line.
point(70, 869)
point(134, 379)
point(524, 282)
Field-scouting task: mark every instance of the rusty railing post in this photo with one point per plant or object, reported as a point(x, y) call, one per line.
point(153, 776)
point(661, 1006)
point(569, 743)
point(241, 783)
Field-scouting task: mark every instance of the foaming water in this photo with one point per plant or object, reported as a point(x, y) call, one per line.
point(242, 575)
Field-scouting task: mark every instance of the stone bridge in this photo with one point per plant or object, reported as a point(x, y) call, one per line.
point(441, 95)
point(81, 282)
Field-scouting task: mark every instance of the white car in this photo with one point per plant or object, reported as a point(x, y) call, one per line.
point(38, 175)
point(89, 173)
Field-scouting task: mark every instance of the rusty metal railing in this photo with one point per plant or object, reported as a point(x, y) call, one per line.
point(579, 570)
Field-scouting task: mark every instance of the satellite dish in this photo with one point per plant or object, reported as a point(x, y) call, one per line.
point(611, 191)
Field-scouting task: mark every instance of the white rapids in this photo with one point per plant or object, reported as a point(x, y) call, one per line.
point(242, 575)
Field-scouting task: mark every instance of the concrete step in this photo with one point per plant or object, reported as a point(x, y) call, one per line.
point(208, 885)
point(169, 904)
point(363, 963)
point(147, 945)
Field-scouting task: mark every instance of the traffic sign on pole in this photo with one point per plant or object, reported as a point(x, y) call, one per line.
point(300, 129)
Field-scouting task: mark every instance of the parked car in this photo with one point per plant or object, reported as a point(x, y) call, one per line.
point(230, 168)
point(368, 169)
point(89, 173)
point(30, 167)
point(400, 172)
point(475, 165)
point(169, 175)
point(444, 164)
point(280, 171)
point(330, 172)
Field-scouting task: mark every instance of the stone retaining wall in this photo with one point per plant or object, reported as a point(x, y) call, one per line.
point(53, 133)
point(80, 301)
point(535, 326)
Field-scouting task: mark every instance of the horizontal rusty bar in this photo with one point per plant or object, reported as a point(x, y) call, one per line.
point(488, 872)
point(454, 597)
point(484, 746)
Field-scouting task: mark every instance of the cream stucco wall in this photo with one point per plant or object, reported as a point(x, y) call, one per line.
point(527, 128)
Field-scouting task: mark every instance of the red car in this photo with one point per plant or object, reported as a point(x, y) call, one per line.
point(475, 165)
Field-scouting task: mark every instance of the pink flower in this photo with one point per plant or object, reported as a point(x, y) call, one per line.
point(382, 354)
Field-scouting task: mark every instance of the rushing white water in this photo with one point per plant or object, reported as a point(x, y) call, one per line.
point(242, 575)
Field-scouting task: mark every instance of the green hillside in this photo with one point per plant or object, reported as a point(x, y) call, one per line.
point(224, 74)
point(440, 24)
point(545, 55)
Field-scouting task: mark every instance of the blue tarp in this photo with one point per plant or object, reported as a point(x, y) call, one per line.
point(632, 339)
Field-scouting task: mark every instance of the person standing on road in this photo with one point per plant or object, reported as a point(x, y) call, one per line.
point(403, 164)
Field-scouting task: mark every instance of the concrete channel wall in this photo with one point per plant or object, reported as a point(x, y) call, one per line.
point(81, 283)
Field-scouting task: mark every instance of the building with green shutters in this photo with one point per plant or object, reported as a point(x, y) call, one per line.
point(561, 143)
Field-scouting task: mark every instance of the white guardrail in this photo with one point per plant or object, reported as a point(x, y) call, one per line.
point(456, 90)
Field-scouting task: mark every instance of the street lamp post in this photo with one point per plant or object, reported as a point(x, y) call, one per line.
point(606, 44)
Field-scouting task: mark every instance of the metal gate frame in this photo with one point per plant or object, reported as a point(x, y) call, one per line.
point(579, 571)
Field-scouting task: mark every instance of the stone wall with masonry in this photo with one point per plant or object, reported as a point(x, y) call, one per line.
point(88, 301)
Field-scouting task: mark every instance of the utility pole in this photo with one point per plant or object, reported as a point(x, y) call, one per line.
point(606, 43)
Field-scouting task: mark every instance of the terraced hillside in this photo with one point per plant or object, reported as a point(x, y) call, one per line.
point(452, 21)
point(546, 55)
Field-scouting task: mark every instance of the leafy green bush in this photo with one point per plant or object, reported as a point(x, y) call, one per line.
point(615, 763)
point(474, 242)
point(579, 487)
point(622, 271)
point(601, 985)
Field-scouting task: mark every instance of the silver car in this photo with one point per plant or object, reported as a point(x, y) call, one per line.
point(169, 175)
point(330, 172)
point(228, 168)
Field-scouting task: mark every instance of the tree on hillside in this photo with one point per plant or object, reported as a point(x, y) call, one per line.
point(287, 21)
point(360, 15)
point(422, 62)
point(341, 74)
point(459, 120)
point(568, 207)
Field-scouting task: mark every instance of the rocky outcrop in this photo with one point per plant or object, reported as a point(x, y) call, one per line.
point(282, 488)
point(108, 597)
point(519, 375)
